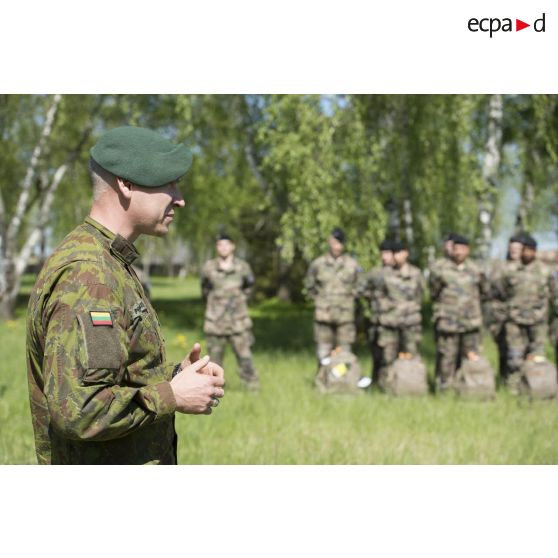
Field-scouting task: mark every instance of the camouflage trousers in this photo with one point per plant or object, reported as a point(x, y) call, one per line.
point(328, 336)
point(241, 345)
point(524, 340)
point(451, 348)
point(395, 340)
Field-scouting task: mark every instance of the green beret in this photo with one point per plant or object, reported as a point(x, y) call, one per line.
point(141, 156)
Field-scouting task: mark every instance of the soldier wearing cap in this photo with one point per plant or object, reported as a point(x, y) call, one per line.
point(101, 389)
point(227, 283)
point(371, 292)
point(456, 288)
point(498, 312)
point(528, 289)
point(332, 282)
point(399, 290)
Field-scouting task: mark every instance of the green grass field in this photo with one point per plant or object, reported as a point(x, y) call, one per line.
point(287, 422)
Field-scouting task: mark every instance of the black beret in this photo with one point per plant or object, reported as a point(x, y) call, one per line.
point(338, 234)
point(458, 239)
point(223, 236)
point(529, 241)
point(386, 245)
point(141, 156)
point(398, 246)
point(450, 236)
point(516, 238)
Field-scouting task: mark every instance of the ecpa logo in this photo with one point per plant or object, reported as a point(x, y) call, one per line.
point(494, 24)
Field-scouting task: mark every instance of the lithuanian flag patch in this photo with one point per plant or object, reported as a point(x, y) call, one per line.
point(101, 318)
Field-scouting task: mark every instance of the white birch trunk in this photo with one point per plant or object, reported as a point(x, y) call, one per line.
point(491, 165)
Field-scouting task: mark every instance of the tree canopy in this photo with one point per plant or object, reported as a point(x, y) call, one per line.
point(279, 171)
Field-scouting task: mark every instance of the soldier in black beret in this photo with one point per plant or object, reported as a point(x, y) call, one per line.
point(227, 283)
point(338, 234)
point(332, 282)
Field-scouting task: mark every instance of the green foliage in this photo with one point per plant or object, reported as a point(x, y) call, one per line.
point(278, 172)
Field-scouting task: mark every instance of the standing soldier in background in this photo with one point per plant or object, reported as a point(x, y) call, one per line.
point(399, 291)
point(226, 283)
point(371, 292)
point(439, 264)
point(332, 282)
point(498, 308)
point(456, 289)
point(528, 289)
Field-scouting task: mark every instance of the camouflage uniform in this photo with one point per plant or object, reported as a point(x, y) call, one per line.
point(400, 298)
point(395, 297)
point(333, 284)
point(527, 291)
point(226, 292)
point(98, 381)
point(370, 291)
point(456, 292)
point(498, 313)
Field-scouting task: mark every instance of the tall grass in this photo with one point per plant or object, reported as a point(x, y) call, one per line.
point(287, 421)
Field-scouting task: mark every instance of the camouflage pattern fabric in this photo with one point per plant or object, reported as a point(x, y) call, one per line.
point(98, 381)
point(396, 297)
point(498, 313)
point(329, 336)
point(370, 291)
point(456, 292)
point(524, 341)
point(528, 291)
point(399, 296)
point(333, 285)
point(451, 350)
point(226, 292)
point(398, 340)
point(241, 344)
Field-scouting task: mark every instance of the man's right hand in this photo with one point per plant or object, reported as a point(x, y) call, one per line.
point(195, 392)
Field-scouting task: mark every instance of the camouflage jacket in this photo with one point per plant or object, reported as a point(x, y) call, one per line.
point(226, 293)
point(397, 294)
point(498, 308)
point(333, 284)
point(456, 292)
point(527, 291)
point(98, 382)
point(369, 289)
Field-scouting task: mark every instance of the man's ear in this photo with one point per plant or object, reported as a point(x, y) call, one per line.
point(124, 187)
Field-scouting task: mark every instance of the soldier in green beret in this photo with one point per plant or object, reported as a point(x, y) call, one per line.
point(227, 283)
point(101, 390)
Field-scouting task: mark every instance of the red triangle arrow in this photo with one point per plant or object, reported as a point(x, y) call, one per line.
point(519, 25)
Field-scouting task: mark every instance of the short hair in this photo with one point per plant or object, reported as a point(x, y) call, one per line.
point(101, 179)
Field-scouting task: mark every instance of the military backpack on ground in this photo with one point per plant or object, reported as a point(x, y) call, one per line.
point(475, 378)
point(338, 373)
point(407, 377)
point(538, 379)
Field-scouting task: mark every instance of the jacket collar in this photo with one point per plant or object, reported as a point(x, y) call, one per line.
point(119, 247)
